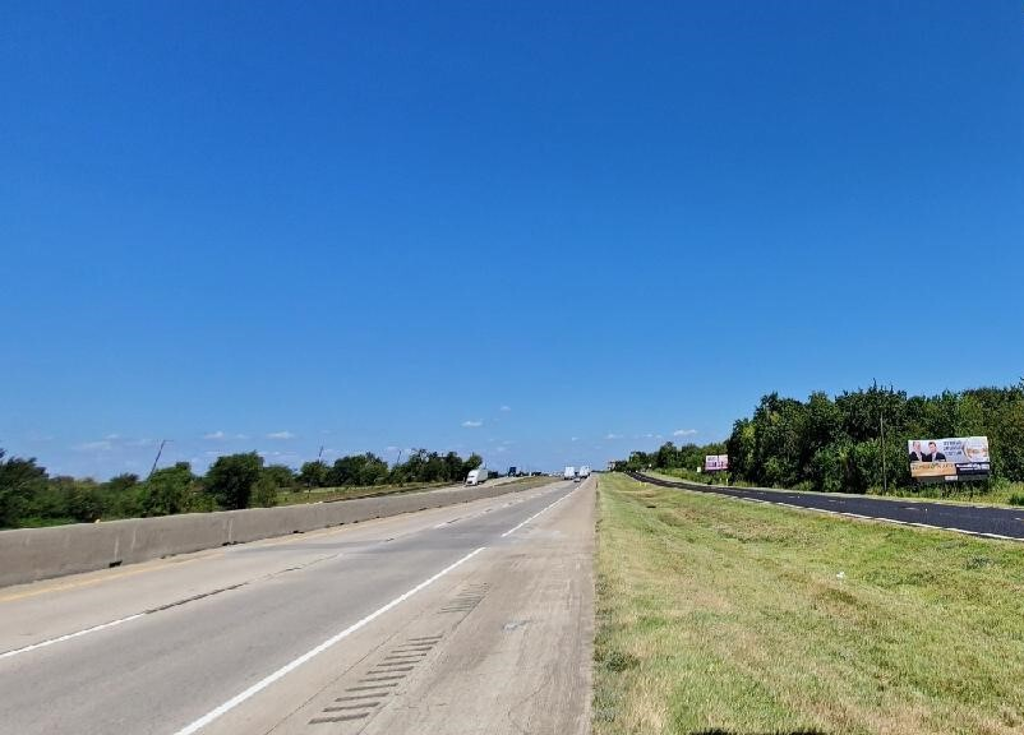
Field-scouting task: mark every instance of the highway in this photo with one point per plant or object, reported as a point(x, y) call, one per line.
point(475, 618)
point(975, 520)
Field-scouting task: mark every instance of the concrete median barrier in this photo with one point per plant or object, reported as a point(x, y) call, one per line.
point(31, 554)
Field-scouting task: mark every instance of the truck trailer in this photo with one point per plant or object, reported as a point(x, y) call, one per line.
point(477, 476)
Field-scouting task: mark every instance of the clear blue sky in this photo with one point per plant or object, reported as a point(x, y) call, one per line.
point(583, 226)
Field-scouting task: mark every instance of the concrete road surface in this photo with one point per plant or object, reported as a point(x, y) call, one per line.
point(468, 619)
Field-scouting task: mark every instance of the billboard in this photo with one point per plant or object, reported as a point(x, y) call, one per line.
point(716, 463)
point(949, 460)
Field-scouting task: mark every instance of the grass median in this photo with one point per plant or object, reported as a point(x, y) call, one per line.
point(719, 616)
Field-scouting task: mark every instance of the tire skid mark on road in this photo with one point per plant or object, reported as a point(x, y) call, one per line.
point(370, 688)
point(259, 686)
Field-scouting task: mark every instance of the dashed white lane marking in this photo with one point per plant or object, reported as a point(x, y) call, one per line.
point(512, 530)
point(479, 513)
point(128, 618)
point(312, 653)
point(69, 636)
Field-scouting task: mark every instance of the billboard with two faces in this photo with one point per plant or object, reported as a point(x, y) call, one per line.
point(949, 460)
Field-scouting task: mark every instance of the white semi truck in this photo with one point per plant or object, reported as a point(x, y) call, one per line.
point(569, 473)
point(477, 476)
point(584, 472)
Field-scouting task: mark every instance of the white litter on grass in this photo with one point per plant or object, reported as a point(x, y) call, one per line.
point(841, 575)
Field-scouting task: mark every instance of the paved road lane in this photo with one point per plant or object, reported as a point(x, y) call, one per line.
point(229, 620)
point(990, 522)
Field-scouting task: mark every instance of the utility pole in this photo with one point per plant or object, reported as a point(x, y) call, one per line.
point(158, 453)
point(320, 454)
point(881, 437)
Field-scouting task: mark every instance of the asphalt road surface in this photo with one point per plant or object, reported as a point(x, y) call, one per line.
point(986, 521)
point(475, 618)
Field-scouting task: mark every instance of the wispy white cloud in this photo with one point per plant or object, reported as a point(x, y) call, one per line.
point(613, 436)
point(575, 439)
point(505, 409)
point(684, 432)
point(215, 435)
point(112, 437)
point(281, 435)
point(100, 446)
point(278, 457)
point(472, 424)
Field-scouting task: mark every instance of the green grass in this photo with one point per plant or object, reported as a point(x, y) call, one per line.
point(716, 615)
point(997, 492)
point(331, 494)
point(35, 522)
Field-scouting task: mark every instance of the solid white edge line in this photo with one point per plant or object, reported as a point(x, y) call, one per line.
point(296, 663)
point(136, 616)
point(858, 516)
point(69, 636)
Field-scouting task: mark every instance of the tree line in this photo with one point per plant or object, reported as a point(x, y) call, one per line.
point(833, 445)
point(29, 496)
point(670, 457)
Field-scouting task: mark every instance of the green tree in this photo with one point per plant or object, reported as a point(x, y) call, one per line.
point(170, 490)
point(474, 461)
point(346, 471)
point(230, 480)
point(265, 492)
point(120, 483)
point(84, 501)
point(740, 448)
point(283, 476)
point(453, 467)
point(20, 481)
point(313, 474)
point(374, 470)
